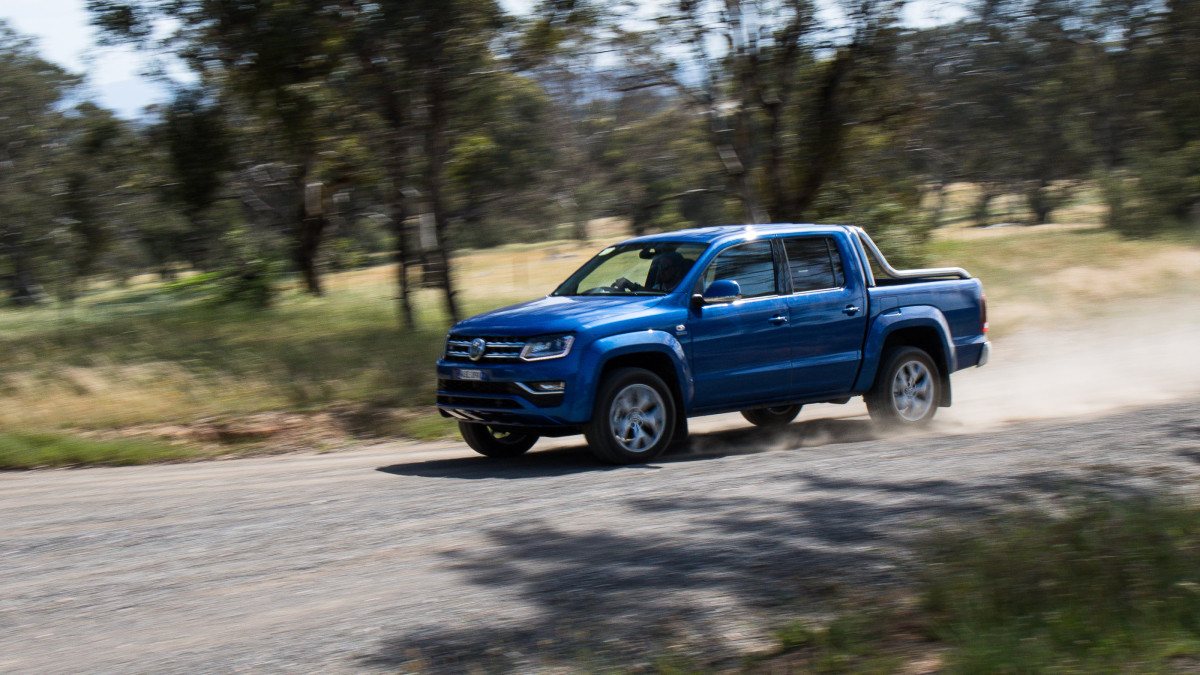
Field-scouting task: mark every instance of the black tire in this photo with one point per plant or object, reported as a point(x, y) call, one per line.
point(679, 437)
point(907, 389)
point(495, 442)
point(634, 417)
point(777, 416)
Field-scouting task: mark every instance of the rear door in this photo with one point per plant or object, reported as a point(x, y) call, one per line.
point(827, 315)
point(740, 350)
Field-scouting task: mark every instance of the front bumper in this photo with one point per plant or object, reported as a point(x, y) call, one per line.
point(504, 394)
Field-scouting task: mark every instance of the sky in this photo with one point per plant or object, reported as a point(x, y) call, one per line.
point(64, 37)
point(114, 74)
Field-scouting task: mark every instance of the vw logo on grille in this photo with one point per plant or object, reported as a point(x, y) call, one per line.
point(477, 348)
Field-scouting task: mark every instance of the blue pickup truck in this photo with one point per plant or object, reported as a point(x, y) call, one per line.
point(759, 319)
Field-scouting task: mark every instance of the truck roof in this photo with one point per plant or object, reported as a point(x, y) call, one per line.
point(711, 234)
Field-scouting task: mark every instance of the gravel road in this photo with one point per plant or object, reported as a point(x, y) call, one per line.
point(423, 557)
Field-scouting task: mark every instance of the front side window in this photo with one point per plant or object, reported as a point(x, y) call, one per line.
point(751, 265)
point(652, 268)
point(814, 263)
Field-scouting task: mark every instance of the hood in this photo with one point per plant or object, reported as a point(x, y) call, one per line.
point(559, 314)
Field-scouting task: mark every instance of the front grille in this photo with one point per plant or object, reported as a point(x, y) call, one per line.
point(497, 349)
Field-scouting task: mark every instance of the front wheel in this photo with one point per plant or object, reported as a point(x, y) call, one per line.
point(772, 417)
point(634, 417)
point(495, 442)
point(906, 390)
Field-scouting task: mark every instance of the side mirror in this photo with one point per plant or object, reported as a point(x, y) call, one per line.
point(721, 291)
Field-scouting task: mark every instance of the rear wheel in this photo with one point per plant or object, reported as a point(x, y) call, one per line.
point(772, 417)
point(906, 390)
point(494, 441)
point(634, 417)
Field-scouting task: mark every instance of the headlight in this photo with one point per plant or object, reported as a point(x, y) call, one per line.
point(547, 347)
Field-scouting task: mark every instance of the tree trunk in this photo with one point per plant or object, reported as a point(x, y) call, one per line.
point(396, 113)
point(436, 149)
point(1040, 202)
point(408, 317)
point(829, 128)
point(980, 211)
point(23, 288)
point(580, 228)
point(778, 200)
point(441, 255)
point(310, 227)
point(939, 205)
point(308, 243)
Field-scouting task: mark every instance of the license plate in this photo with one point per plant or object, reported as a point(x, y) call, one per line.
point(468, 374)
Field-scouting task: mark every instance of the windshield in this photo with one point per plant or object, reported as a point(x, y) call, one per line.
point(651, 268)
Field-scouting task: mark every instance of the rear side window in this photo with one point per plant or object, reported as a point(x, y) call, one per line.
point(751, 265)
point(814, 263)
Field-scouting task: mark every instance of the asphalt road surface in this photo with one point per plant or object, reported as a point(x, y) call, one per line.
point(399, 558)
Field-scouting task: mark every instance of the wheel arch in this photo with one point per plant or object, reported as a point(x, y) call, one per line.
point(654, 350)
point(654, 361)
point(922, 327)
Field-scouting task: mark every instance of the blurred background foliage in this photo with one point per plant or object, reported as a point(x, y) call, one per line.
point(327, 151)
point(319, 136)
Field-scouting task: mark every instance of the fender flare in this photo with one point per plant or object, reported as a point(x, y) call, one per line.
point(600, 352)
point(886, 324)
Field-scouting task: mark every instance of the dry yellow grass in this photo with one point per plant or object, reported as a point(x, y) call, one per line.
point(122, 359)
point(1046, 276)
point(125, 358)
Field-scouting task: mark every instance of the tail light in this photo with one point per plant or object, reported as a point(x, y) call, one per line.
point(983, 311)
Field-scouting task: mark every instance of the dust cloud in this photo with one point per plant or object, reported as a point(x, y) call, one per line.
point(1146, 354)
point(1134, 356)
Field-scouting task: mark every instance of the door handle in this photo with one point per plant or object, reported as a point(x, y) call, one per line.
point(778, 319)
point(851, 309)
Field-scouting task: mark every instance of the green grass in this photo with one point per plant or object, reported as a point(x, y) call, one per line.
point(30, 451)
point(855, 642)
point(1112, 587)
point(1109, 586)
point(428, 428)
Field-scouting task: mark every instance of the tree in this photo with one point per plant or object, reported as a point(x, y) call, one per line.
point(32, 140)
point(273, 53)
point(777, 89)
point(194, 133)
point(419, 61)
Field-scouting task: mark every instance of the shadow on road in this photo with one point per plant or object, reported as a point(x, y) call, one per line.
point(536, 464)
point(577, 459)
point(699, 567)
point(617, 596)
